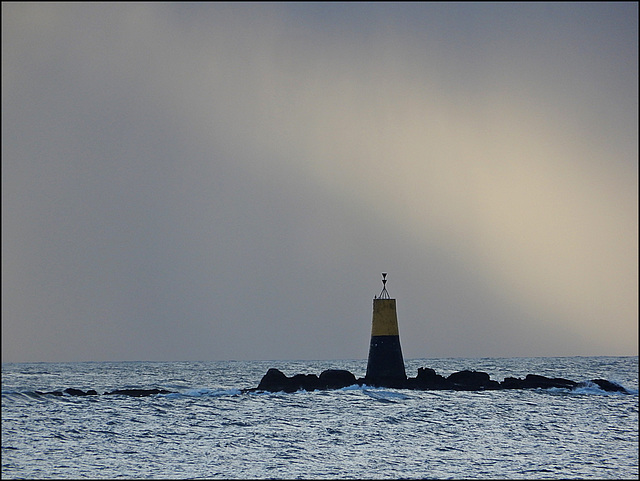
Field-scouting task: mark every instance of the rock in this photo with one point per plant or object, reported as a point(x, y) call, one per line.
point(77, 392)
point(533, 381)
point(472, 381)
point(512, 383)
point(138, 392)
point(608, 386)
point(307, 382)
point(70, 391)
point(275, 381)
point(428, 379)
point(336, 379)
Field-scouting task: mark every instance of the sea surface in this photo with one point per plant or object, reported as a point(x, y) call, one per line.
point(212, 429)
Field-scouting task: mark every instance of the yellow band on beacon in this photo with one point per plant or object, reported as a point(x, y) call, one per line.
point(385, 319)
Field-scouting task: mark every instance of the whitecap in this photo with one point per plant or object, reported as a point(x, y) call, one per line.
point(385, 396)
point(588, 387)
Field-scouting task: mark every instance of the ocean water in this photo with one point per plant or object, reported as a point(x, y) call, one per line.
point(211, 429)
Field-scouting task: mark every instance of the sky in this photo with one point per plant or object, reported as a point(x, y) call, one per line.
point(228, 181)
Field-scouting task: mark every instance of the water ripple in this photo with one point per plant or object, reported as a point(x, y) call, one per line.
point(209, 429)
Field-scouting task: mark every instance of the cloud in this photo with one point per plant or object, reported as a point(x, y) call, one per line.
point(218, 182)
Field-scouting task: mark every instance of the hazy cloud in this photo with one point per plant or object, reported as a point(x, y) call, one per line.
point(218, 181)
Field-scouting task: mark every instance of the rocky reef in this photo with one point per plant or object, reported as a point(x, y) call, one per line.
point(91, 392)
point(427, 379)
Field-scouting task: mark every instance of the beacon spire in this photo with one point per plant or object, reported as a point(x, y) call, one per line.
point(385, 366)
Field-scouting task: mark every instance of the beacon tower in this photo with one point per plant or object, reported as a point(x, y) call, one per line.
point(385, 366)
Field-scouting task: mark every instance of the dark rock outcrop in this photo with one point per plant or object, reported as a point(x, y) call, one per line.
point(70, 391)
point(427, 379)
point(471, 381)
point(138, 392)
point(77, 392)
point(533, 381)
point(276, 381)
point(91, 392)
point(608, 385)
point(336, 379)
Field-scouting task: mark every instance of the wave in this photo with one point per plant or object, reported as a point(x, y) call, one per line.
point(202, 392)
point(589, 387)
point(385, 396)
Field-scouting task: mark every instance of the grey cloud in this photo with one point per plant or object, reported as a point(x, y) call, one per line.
point(220, 183)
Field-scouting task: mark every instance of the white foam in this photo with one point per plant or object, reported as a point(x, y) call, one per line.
point(588, 387)
point(389, 396)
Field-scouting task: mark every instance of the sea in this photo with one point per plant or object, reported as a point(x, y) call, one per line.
point(210, 428)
